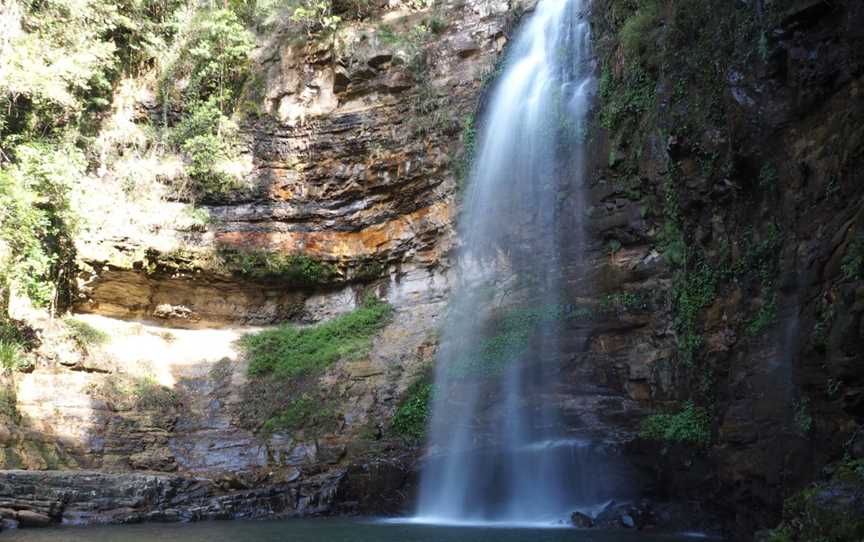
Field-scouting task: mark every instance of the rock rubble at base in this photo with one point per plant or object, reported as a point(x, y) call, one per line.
point(43, 498)
point(650, 516)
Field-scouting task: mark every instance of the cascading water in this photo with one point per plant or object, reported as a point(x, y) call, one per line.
point(498, 452)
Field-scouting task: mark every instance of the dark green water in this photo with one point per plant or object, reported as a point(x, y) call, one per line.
point(319, 530)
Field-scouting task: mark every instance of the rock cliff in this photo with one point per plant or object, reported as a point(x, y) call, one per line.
point(723, 271)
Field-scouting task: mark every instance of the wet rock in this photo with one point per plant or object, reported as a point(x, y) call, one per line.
point(379, 60)
point(580, 520)
point(26, 518)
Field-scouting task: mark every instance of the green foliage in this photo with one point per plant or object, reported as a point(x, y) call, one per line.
point(289, 351)
point(204, 153)
point(623, 301)
point(301, 413)
point(213, 65)
point(420, 4)
point(60, 56)
point(36, 219)
point(297, 269)
point(853, 262)
point(803, 419)
point(207, 139)
point(509, 339)
point(12, 346)
point(509, 334)
point(85, 334)
point(851, 470)
point(413, 413)
point(760, 258)
point(387, 35)
point(638, 35)
point(10, 355)
point(768, 178)
point(824, 318)
point(824, 512)
point(469, 151)
point(691, 426)
point(369, 270)
point(672, 244)
point(202, 118)
point(213, 61)
point(692, 290)
point(9, 404)
point(626, 97)
point(766, 316)
point(316, 16)
point(411, 45)
point(150, 395)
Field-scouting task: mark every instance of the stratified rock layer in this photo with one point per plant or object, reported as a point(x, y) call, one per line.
point(356, 162)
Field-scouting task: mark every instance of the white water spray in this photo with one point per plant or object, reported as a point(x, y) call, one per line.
point(498, 450)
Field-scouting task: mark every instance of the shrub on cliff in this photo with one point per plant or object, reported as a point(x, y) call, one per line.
point(296, 269)
point(639, 33)
point(301, 413)
point(291, 351)
point(211, 60)
point(853, 262)
point(830, 510)
point(691, 425)
point(10, 354)
point(209, 67)
point(84, 334)
point(36, 218)
point(413, 413)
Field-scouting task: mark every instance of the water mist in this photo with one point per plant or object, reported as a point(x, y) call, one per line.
point(497, 453)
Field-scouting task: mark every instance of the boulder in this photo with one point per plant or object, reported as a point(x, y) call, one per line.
point(627, 521)
point(581, 521)
point(27, 518)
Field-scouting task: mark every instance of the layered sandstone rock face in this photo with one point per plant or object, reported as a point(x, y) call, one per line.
point(357, 145)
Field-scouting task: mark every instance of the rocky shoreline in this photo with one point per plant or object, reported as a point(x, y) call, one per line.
point(46, 498)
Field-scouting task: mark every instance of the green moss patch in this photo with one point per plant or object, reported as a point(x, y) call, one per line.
point(412, 416)
point(302, 413)
point(829, 511)
point(85, 334)
point(9, 404)
point(289, 351)
point(853, 262)
point(296, 268)
point(690, 425)
point(509, 335)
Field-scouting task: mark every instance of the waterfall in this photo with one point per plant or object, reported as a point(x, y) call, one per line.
point(498, 450)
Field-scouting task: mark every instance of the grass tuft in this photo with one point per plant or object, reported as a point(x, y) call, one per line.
point(691, 425)
point(413, 413)
point(85, 334)
point(302, 413)
point(289, 351)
